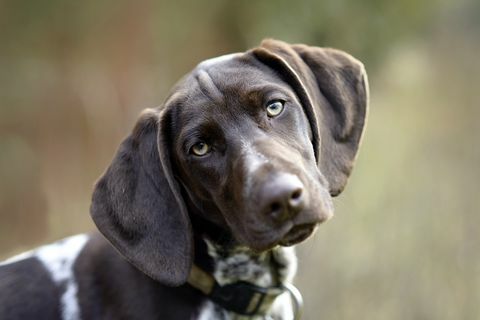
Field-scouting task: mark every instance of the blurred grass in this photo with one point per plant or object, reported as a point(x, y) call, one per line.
point(404, 243)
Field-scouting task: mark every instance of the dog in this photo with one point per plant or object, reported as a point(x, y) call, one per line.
point(203, 201)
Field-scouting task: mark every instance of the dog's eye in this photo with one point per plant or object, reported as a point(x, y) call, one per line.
point(200, 149)
point(274, 108)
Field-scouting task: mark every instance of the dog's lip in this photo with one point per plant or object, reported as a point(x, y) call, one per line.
point(298, 234)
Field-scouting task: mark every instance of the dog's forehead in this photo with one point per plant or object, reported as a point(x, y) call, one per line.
point(237, 70)
point(223, 85)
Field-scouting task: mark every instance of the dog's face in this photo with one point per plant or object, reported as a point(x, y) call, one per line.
point(242, 149)
point(255, 143)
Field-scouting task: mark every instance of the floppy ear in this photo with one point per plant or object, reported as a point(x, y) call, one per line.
point(333, 89)
point(138, 207)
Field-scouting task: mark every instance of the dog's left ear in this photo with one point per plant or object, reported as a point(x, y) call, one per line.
point(333, 89)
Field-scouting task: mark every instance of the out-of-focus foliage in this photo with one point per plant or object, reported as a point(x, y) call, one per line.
point(405, 241)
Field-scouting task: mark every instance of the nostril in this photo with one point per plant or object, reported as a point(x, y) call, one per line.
point(276, 206)
point(277, 211)
point(296, 194)
point(296, 199)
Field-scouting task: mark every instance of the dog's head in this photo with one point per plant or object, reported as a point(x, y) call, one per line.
point(255, 143)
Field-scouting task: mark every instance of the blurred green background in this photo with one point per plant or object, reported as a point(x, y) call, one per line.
point(405, 241)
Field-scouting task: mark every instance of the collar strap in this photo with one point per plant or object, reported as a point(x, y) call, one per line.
point(242, 297)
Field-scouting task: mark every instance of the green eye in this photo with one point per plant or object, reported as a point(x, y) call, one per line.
point(200, 149)
point(274, 108)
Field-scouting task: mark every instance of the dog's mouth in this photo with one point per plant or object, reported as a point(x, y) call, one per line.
point(298, 234)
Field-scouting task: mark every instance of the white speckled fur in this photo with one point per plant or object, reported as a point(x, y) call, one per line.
point(242, 264)
point(58, 258)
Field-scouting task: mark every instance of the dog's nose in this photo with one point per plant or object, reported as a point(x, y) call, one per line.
point(282, 197)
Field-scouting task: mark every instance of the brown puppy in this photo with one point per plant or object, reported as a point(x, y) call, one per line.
point(246, 152)
point(265, 177)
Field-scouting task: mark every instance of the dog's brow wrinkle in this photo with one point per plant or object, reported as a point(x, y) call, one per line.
point(175, 97)
point(208, 87)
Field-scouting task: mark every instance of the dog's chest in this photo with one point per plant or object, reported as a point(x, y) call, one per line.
point(266, 270)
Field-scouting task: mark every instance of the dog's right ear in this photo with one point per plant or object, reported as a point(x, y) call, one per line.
point(137, 204)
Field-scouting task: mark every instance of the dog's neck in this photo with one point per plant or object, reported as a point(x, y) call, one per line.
point(218, 254)
point(266, 269)
point(227, 261)
point(232, 265)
